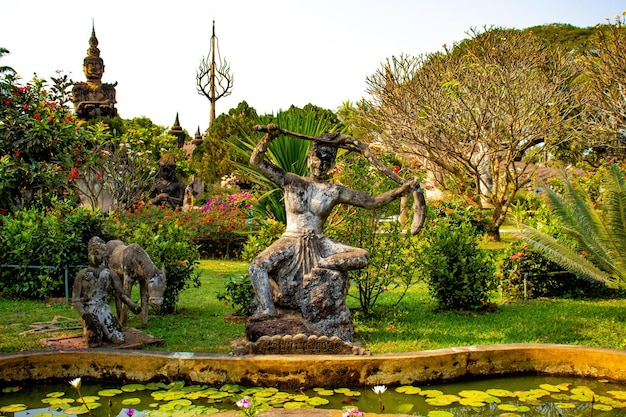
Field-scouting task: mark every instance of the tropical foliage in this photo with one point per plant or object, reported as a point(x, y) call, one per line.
point(41, 144)
point(286, 152)
point(596, 230)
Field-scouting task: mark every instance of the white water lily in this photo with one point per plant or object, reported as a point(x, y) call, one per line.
point(75, 383)
point(379, 389)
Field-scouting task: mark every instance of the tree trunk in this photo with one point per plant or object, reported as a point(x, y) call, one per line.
point(493, 234)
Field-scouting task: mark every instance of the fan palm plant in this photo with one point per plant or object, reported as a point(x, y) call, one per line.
point(288, 153)
point(597, 250)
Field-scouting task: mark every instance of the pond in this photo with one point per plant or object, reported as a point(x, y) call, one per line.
point(505, 397)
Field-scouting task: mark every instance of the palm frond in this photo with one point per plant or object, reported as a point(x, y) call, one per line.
point(563, 255)
point(599, 232)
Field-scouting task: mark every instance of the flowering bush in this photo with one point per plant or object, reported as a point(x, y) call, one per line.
point(218, 231)
point(40, 143)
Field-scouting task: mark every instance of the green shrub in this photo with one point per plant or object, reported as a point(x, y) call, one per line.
point(460, 276)
point(56, 237)
point(543, 277)
point(239, 294)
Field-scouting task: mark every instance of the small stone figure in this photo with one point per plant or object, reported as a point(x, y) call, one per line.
point(94, 98)
point(90, 298)
point(169, 191)
point(304, 269)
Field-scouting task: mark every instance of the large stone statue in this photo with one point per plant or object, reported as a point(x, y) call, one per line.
point(91, 301)
point(305, 270)
point(169, 191)
point(93, 98)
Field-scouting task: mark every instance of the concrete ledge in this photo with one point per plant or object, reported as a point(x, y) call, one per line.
point(294, 371)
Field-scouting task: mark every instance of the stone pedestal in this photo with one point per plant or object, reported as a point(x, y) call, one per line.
point(321, 318)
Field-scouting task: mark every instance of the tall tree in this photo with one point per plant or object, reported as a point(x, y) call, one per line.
point(604, 82)
point(476, 113)
point(213, 77)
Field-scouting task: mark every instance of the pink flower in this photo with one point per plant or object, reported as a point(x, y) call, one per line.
point(352, 412)
point(244, 402)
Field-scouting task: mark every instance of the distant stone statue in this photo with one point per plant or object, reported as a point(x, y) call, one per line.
point(90, 298)
point(169, 191)
point(305, 270)
point(93, 98)
point(133, 263)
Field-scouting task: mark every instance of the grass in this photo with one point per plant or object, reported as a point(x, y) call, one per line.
point(200, 324)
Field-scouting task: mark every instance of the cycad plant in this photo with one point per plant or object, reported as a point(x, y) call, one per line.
point(597, 249)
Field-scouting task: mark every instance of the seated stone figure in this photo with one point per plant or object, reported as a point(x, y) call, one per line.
point(93, 98)
point(304, 269)
point(169, 191)
point(90, 298)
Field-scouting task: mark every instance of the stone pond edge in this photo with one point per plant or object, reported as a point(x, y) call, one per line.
point(295, 371)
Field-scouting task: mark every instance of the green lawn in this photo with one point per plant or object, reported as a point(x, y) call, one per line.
point(200, 324)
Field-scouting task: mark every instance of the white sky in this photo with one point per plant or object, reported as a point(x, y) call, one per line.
point(281, 52)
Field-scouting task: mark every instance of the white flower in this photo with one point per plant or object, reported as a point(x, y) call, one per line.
point(75, 383)
point(379, 389)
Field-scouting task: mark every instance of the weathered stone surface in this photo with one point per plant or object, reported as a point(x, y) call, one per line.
point(294, 371)
point(301, 344)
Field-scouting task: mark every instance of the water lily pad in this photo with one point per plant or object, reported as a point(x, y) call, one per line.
point(46, 414)
point(317, 401)
point(55, 394)
point(326, 392)
point(620, 395)
point(561, 397)
point(431, 393)
point(440, 413)
point(472, 402)
point(231, 388)
point(409, 390)
point(133, 387)
point(443, 400)
point(88, 399)
point(11, 389)
point(302, 397)
point(507, 407)
point(342, 390)
point(57, 401)
point(218, 395)
point(404, 408)
point(565, 405)
point(131, 401)
point(154, 386)
point(13, 408)
point(550, 387)
point(352, 394)
point(294, 404)
point(602, 407)
point(81, 409)
point(111, 392)
point(495, 392)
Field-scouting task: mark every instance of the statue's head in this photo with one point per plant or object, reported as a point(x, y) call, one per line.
point(93, 67)
point(96, 251)
point(322, 155)
point(167, 165)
